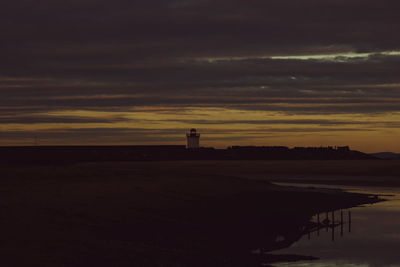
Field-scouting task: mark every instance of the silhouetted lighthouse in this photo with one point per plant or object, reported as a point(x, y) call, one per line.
point(193, 139)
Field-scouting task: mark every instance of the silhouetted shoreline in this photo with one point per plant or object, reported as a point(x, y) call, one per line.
point(74, 154)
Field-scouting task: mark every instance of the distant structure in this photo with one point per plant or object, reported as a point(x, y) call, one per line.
point(343, 148)
point(193, 139)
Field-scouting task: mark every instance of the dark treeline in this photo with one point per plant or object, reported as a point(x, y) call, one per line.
point(73, 154)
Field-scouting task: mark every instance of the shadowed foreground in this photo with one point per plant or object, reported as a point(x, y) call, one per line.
point(139, 214)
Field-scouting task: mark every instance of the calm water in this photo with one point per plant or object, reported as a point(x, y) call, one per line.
point(373, 240)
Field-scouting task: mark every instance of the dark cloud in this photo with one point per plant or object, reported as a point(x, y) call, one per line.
point(97, 55)
point(29, 119)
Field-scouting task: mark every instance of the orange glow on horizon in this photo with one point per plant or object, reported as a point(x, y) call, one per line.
point(220, 127)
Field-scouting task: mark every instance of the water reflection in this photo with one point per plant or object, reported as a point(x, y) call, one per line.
point(363, 236)
point(331, 223)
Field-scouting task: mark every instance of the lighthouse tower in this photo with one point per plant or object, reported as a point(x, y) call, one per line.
point(193, 139)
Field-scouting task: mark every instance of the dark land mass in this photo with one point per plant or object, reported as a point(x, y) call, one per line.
point(385, 173)
point(386, 155)
point(193, 213)
point(75, 154)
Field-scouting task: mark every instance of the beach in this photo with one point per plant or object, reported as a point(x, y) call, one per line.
point(156, 213)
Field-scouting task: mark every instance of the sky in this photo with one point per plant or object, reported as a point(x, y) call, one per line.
point(276, 72)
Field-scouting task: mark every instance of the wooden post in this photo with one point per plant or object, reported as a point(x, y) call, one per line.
point(341, 223)
point(333, 225)
point(349, 221)
point(327, 222)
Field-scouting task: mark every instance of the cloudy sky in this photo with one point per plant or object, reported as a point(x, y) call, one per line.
point(257, 72)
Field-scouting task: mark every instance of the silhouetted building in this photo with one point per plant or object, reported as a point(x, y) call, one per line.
point(193, 139)
point(343, 148)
